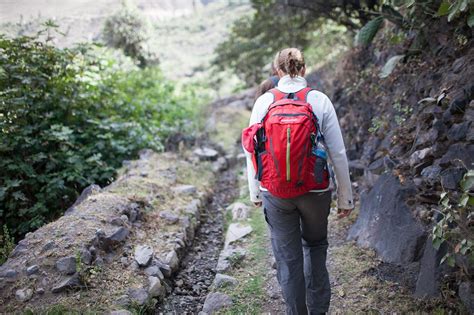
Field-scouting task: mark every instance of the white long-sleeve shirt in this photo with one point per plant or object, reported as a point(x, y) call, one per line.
point(329, 126)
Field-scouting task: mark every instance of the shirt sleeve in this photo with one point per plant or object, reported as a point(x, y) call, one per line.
point(258, 112)
point(337, 152)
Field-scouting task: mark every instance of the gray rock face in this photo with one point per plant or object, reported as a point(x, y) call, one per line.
point(216, 301)
point(427, 282)
point(172, 260)
point(165, 269)
point(69, 283)
point(451, 177)
point(155, 272)
point(466, 294)
point(419, 156)
point(23, 295)
point(138, 296)
point(431, 173)
point(222, 280)
point(143, 255)
point(66, 265)
point(456, 152)
point(206, 154)
point(386, 224)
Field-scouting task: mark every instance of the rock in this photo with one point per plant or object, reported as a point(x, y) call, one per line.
point(222, 280)
point(23, 295)
point(428, 276)
point(458, 105)
point(172, 260)
point(143, 255)
point(123, 300)
point(419, 156)
point(466, 294)
point(86, 256)
point(88, 191)
point(165, 269)
point(185, 189)
point(66, 265)
point(216, 301)
point(431, 173)
point(451, 177)
point(236, 231)
point(155, 272)
point(169, 217)
point(139, 296)
point(48, 246)
point(206, 154)
point(386, 224)
point(108, 243)
point(229, 257)
point(40, 291)
point(458, 132)
point(121, 312)
point(459, 152)
point(220, 165)
point(119, 221)
point(356, 168)
point(31, 270)
point(377, 167)
point(69, 283)
point(240, 211)
point(155, 287)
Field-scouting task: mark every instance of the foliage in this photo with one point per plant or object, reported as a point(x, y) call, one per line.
point(128, 30)
point(6, 244)
point(68, 118)
point(367, 33)
point(455, 226)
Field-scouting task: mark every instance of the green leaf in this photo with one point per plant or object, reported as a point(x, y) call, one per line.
point(367, 33)
point(390, 66)
point(443, 8)
point(437, 243)
point(464, 200)
point(470, 20)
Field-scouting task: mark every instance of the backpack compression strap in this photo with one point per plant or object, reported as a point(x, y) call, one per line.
point(301, 95)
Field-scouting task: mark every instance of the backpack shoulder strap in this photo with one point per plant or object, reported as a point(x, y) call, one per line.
point(277, 94)
point(303, 93)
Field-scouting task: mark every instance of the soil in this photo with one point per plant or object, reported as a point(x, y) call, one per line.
point(197, 271)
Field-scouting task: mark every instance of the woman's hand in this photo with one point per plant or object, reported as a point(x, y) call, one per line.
point(342, 213)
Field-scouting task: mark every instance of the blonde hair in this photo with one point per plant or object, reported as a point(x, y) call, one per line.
point(291, 61)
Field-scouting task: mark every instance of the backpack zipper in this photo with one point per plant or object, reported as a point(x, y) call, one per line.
point(288, 133)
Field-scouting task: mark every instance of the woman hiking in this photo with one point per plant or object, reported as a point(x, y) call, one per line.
point(293, 131)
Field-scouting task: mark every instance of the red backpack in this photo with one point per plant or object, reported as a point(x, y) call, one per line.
point(287, 148)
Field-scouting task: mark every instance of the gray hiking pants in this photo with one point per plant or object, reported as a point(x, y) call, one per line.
point(298, 228)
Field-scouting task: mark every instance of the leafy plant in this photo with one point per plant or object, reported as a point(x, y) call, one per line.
point(129, 30)
point(454, 228)
point(377, 122)
point(6, 245)
point(367, 33)
point(68, 118)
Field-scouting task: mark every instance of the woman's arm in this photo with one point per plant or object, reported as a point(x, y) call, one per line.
point(329, 124)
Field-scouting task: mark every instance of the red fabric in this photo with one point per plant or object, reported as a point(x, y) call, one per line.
point(248, 137)
point(290, 121)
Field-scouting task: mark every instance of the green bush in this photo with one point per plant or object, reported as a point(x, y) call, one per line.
point(68, 118)
point(129, 30)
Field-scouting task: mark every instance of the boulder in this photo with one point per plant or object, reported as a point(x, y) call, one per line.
point(386, 223)
point(66, 265)
point(155, 288)
point(169, 217)
point(236, 231)
point(420, 155)
point(458, 132)
point(138, 296)
point(69, 283)
point(428, 276)
point(240, 211)
point(216, 301)
point(222, 280)
point(113, 240)
point(143, 255)
point(451, 177)
point(172, 260)
point(229, 257)
point(31, 270)
point(88, 191)
point(185, 189)
point(459, 152)
point(206, 154)
point(23, 295)
point(431, 174)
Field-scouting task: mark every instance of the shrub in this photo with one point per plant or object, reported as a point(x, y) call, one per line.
point(128, 30)
point(67, 119)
